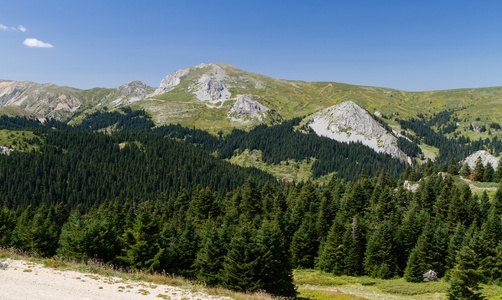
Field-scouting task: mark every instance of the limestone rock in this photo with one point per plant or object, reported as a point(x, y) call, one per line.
point(430, 276)
point(171, 81)
point(348, 122)
point(411, 187)
point(208, 86)
point(5, 150)
point(130, 92)
point(212, 89)
point(486, 157)
point(246, 108)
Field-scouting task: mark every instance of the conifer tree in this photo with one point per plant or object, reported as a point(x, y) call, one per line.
point(352, 258)
point(7, 225)
point(186, 247)
point(276, 271)
point(142, 249)
point(85, 237)
point(304, 245)
point(331, 255)
point(465, 278)
point(479, 170)
point(407, 235)
point(380, 256)
point(465, 171)
point(241, 262)
point(415, 267)
point(498, 171)
point(440, 242)
point(209, 260)
point(488, 173)
point(484, 206)
point(453, 167)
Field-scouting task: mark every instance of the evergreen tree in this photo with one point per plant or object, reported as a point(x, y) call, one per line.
point(209, 260)
point(488, 173)
point(380, 256)
point(276, 271)
point(331, 255)
point(465, 278)
point(85, 237)
point(498, 172)
point(453, 167)
point(304, 245)
point(479, 170)
point(241, 262)
point(465, 171)
point(415, 267)
point(142, 249)
point(352, 258)
point(7, 225)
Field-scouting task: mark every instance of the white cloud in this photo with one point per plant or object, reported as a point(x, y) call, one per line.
point(36, 43)
point(5, 28)
point(9, 28)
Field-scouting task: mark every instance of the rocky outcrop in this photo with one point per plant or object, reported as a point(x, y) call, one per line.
point(130, 92)
point(486, 157)
point(411, 187)
point(208, 85)
point(171, 81)
point(245, 109)
point(212, 89)
point(348, 122)
point(5, 150)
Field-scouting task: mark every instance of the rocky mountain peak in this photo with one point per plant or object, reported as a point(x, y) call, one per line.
point(130, 92)
point(207, 82)
point(245, 109)
point(348, 122)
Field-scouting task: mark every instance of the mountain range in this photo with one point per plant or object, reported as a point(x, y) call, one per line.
point(204, 96)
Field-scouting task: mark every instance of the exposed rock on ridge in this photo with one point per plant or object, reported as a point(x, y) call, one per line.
point(209, 86)
point(486, 157)
point(171, 81)
point(130, 92)
point(348, 122)
point(247, 108)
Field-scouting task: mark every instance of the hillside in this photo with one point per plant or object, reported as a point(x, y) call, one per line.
point(203, 95)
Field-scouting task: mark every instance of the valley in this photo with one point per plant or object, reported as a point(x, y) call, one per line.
point(248, 183)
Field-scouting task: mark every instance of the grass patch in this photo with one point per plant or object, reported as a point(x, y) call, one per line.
point(19, 140)
point(402, 287)
point(287, 170)
point(321, 295)
point(485, 184)
point(321, 278)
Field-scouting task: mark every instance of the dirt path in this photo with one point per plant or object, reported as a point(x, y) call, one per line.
point(25, 280)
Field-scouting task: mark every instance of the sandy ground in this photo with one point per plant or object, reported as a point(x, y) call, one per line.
point(26, 280)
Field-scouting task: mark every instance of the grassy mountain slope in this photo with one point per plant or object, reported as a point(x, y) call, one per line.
point(286, 99)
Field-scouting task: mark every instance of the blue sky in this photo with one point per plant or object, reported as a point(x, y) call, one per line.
point(408, 45)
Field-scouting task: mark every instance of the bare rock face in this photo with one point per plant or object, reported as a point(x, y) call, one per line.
point(212, 89)
point(411, 187)
point(171, 81)
point(245, 109)
point(130, 92)
point(486, 157)
point(208, 86)
point(348, 122)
